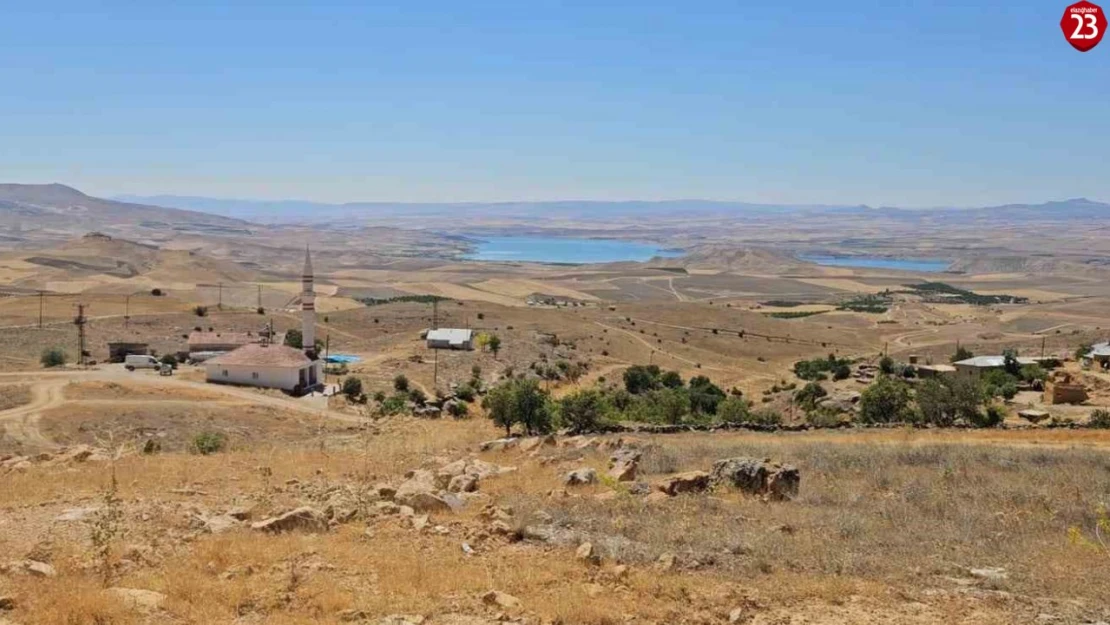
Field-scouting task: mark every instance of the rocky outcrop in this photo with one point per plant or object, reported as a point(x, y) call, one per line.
point(689, 482)
point(624, 463)
point(304, 518)
point(758, 477)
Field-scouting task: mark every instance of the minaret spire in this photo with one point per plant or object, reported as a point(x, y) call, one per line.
point(308, 307)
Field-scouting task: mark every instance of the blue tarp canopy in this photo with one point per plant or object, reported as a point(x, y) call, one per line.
point(342, 358)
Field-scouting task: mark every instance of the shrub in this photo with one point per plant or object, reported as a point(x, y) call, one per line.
point(494, 344)
point(260, 310)
point(458, 409)
point(705, 396)
point(466, 393)
point(886, 365)
point(417, 396)
point(208, 442)
point(156, 292)
point(1100, 419)
point(809, 395)
point(401, 383)
point(352, 388)
point(766, 416)
point(169, 359)
point(394, 404)
point(481, 316)
point(842, 372)
point(885, 401)
point(53, 357)
point(992, 417)
point(999, 383)
point(583, 411)
point(734, 409)
point(379, 396)
point(200, 311)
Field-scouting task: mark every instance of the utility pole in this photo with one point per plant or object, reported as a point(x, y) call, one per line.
point(42, 295)
point(260, 296)
point(220, 300)
point(80, 323)
point(327, 352)
point(1043, 339)
point(435, 314)
point(435, 369)
point(126, 310)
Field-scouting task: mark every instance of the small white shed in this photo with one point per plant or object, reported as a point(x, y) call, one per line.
point(450, 338)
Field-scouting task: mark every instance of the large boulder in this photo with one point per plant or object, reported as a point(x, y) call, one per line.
point(624, 463)
point(758, 477)
point(419, 482)
point(305, 518)
point(689, 482)
point(580, 477)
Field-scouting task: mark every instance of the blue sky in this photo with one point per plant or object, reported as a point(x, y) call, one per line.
point(877, 102)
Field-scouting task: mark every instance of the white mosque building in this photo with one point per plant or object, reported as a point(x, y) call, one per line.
point(272, 365)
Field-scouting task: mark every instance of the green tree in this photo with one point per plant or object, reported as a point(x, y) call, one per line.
point(494, 344)
point(352, 388)
point(583, 411)
point(886, 365)
point(401, 383)
point(705, 396)
point(53, 357)
point(671, 404)
point(735, 410)
point(962, 353)
point(887, 400)
point(809, 394)
point(521, 402)
point(671, 379)
point(641, 378)
point(936, 403)
point(1010, 363)
point(999, 383)
point(842, 371)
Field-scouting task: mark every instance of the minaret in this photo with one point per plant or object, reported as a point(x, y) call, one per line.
point(308, 308)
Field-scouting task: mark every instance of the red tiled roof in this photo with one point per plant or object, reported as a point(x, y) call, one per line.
point(262, 356)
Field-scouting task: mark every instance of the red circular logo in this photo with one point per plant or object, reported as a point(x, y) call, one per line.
point(1083, 25)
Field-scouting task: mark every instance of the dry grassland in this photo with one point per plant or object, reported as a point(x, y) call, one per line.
point(882, 532)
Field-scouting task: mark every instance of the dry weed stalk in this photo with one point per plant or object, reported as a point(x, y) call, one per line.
point(107, 524)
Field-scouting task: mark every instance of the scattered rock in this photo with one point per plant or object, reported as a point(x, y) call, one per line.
point(76, 514)
point(138, 599)
point(351, 615)
point(402, 619)
point(304, 518)
point(992, 574)
point(38, 569)
point(466, 483)
point(666, 562)
point(500, 599)
point(580, 477)
point(7, 603)
point(737, 615)
point(535, 443)
point(593, 590)
point(690, 482)
point(220, 524)
point(586, 553)
point(419, 481)
point(656, 497)
point(624, 463)
point(758, 477)
point(427, 502)
point(500, 444)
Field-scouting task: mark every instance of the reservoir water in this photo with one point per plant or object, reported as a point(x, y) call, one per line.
point(875, 262)
point(560, 250)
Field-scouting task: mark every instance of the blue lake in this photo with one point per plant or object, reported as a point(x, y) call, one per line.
point(559, 250)
point(869, 262)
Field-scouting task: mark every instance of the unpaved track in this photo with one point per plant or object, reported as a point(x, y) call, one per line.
point(48, 392)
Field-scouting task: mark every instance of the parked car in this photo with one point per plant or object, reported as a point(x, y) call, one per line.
point(136, 361)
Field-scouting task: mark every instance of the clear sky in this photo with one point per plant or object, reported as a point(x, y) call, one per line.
point(883, 102)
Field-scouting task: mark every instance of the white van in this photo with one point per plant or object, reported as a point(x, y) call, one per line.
point(138, 361)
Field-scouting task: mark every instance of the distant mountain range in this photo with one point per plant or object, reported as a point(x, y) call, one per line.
point(299, 211)
point(55, 207)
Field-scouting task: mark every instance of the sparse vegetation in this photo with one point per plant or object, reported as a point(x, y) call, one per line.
point(419, 299)
point(53, 357)
point(200, 311)
point(208, 442)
